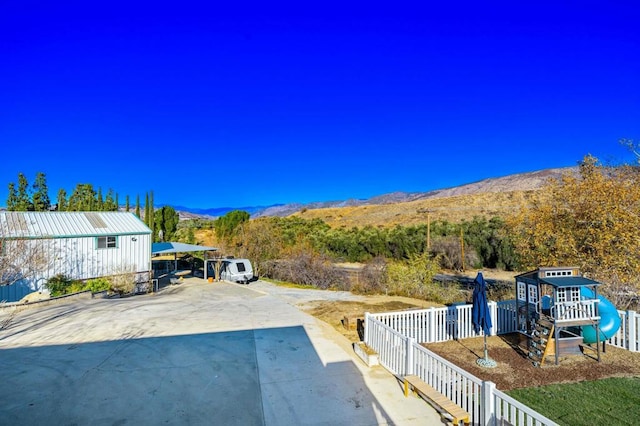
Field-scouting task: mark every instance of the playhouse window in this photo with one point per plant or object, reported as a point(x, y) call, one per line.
point(522, 291)
point(575, 294)
point(569, 294)
point(563, 273)
point(533, 293)
point(107, 242)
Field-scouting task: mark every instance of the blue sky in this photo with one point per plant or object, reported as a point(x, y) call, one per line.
point(212, 105)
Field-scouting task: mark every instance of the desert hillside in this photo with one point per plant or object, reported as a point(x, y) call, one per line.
point(486, 198)
point(451, 209)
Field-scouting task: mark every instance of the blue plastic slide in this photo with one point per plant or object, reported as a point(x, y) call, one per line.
point(609, 318)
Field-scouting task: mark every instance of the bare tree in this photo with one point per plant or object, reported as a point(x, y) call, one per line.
point(23, 260)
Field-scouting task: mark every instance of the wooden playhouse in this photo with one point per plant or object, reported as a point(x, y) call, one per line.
point(557, 313)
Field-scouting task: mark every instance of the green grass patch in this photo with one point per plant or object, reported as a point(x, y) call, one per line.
point(614, 401)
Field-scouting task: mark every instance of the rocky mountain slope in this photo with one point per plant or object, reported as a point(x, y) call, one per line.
point(522, 182)
point(486, 197)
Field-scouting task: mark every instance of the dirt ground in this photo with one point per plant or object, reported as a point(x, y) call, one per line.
point(513, 369)
point(334, 312)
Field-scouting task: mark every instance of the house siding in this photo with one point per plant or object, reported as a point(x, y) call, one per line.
point(68, 240)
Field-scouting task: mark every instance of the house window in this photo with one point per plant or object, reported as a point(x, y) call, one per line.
point(109, 241)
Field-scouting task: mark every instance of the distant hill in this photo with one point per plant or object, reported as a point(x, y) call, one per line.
point(212, 213)
point(488, 197)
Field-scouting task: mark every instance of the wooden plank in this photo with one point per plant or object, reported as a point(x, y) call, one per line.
point(550, 349)
point(440, 402)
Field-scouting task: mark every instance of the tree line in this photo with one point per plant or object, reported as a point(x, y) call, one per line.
point(25, 197)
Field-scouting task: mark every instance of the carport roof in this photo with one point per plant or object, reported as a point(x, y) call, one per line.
point(165, 248)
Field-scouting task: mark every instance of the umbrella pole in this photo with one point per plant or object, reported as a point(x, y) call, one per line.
point(486, 361)
point(486, 355)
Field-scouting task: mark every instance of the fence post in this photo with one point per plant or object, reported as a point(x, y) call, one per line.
point(366, 328)
point(493, 308)
point(431, 315)
point(409, 358)
point(488, 406)
point(631, 331)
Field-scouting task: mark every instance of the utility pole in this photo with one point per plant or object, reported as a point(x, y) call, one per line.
point(428, 212)
point(428, 230)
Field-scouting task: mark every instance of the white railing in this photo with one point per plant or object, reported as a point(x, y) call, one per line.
point(402, 356)
point(575, 311)
point(507, 410)
point(390, 342)
point(448, 323)
point(628, 335)
point(458, 385)
point(454, 322)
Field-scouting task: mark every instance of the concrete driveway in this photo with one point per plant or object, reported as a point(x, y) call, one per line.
point(192, 354)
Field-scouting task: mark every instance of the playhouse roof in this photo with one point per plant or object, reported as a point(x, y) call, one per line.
point(568, 281)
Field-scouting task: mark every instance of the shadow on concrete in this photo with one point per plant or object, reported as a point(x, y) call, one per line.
point(270, 376)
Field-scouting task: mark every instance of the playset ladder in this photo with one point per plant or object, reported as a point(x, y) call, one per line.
point(542, 342)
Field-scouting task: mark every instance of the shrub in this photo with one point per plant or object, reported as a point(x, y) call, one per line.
point(123, 283)
point(97, 285)
point(307, 269)
point(373, 278)
point(59, 285)
point(413, 278)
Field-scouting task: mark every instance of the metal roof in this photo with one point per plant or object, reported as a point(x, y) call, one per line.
point(568, 281)
point(164, 248)
point(69, 224)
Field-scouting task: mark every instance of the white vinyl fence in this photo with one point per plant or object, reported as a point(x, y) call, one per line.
point(628, 336)
point(449, 323)
point(454, 322)
point(486, 405)
point(396, 337)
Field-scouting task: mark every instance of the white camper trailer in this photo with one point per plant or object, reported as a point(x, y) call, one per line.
point(231, 269)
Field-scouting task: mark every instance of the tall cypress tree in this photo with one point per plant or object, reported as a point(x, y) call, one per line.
point(62, 200)
point(12, 199)
point(138, 206)
point(126, 205)
point(146, 210)
point(23, 200)
point(152, 217)
point(100, 201)
point(41, 201)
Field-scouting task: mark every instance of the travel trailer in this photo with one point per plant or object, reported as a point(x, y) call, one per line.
point(231, 269)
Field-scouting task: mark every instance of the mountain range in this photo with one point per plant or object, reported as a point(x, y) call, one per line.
point(529, 181)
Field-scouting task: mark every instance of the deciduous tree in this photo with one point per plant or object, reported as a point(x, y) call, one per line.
point(591, 221)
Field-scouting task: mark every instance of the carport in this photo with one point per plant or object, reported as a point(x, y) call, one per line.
point(175, 248)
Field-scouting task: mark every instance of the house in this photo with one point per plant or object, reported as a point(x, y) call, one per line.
point(36, 246)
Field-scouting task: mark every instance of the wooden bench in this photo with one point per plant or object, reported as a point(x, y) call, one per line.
point(441, 403)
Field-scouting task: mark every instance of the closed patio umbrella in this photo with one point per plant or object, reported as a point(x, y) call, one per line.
point(481, 316)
